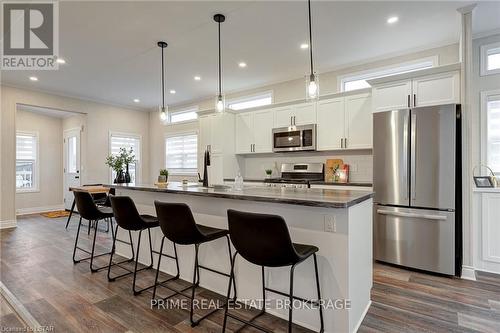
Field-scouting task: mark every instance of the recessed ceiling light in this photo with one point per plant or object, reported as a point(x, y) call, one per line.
point(173, 91)
point(33, 78)
point(197, 78)
point(242, 64)
point(136, 100)
point(392, 19)
point(60, 61)
point(304, 46)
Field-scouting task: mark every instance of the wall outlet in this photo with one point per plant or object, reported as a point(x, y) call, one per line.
point(330, 224)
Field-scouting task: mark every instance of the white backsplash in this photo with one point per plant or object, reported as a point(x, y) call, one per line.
point(360, 162)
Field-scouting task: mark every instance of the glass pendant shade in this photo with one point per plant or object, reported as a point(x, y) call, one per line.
point(220, 103)
point(312, 86)
point(164, 114)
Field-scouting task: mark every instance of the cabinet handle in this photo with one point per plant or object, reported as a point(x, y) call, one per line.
point(345, 142)
point(294, 118)
point(341, 142)
point(408, 100)
point(414, 100)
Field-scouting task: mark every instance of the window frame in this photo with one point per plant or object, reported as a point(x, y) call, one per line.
point(485, 98)
point(138, 165)
point(176, 134)
point(36, 164)
point(247, 98)
point(484, 49)
point(194, 108)
point(383, 71)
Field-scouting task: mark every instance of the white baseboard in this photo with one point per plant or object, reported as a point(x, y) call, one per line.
point(8, 224)
point(36, 210)
point(365, 311)
point(468, 273)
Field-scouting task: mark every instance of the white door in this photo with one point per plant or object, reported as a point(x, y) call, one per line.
point(71, 155)
point(244, 133)
point(263, 131)
point(392, 96)
point(331, 123)
point(436, 89)
point(305, 114)
point(359, 122)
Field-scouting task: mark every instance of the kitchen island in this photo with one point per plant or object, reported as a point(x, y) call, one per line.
point(338, 222)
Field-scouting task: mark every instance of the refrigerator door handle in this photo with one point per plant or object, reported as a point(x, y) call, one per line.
point(412, 215)
point(413, 158)
point(405, 157)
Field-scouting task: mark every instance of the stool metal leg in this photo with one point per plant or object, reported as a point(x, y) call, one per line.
point(70, 213)
point(137, 292)
point(319, 293)
point(230, 263)
point(195, 274)
point(175, 277)
point(231, 276)
point(290, 310)
point(111, 263)
point(76, 240)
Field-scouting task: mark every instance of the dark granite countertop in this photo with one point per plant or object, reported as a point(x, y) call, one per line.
point(304, 197)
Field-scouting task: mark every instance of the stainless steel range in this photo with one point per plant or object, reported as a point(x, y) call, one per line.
point(298, 175)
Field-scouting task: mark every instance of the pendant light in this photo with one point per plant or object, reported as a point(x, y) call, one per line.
point(219, 100)
point(312, 84)
point(163, 108)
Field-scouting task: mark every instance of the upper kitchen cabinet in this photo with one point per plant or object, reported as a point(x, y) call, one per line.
point(254, 132)
point(299, 114)
point(215, 131)
point(438, 87)
point(345, 123)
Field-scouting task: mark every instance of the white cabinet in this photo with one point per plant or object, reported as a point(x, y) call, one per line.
point(345, 123)
point(435, 89)
point(490, 226)
point(391, 96)
point(359, 122)
point(331, 124)
point(213, 132)
point(254, 132)
point(299, 114)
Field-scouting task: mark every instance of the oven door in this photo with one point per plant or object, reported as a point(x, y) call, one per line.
point(284, 140)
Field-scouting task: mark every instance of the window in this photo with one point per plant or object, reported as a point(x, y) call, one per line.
point(127, 141)
point(490, 59)
point(26, 162)
point(184, 115)
point(491, 135)
point(181, 154)
point(250, 101)
point(359, 80)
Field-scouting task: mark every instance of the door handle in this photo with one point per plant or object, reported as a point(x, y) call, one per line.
point(413, 162)
point(413, 215)
point(77, 177)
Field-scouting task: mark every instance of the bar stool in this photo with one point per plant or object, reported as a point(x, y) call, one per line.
point(88, 210)
point(128, 218)
point(264, 240)
point(178, 225)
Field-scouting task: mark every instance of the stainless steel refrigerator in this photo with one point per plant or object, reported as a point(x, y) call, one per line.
point(416, 171)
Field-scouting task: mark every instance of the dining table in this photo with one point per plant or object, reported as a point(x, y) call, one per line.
point(92, 189)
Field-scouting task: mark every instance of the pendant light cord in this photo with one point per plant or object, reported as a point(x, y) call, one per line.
point(162, 81)
point(220, 81)
point(310, 37)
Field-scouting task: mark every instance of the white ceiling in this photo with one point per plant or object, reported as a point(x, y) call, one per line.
point(111, 52)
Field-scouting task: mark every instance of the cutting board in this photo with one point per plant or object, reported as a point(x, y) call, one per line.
point(331, 164)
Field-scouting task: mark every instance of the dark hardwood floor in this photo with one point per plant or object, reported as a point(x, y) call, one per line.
point(36, 266)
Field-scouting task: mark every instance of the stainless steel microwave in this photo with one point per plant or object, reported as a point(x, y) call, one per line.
point(294, 138)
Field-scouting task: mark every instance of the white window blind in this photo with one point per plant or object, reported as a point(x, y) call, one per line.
point(26, 161)
point(181, 154)
point(493, 136)
point(118, 141)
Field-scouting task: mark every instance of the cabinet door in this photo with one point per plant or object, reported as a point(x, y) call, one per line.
point(244, 133)
point(443, 88)
point(263, 123)
point(391, 96)
point(304, 114)
point(216, 170)
point(359, 122)
point(331, 123)
point(283, 116)
point(217, 133)
point(490, 227)
point(204, 133)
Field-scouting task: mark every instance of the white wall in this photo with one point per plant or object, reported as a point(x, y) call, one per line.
point(101, 119)
point(252, 166)
point(479, 84)
point(50, 169)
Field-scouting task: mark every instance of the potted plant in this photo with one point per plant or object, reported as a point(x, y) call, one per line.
point(115, 162)
point(269, 172)
point(163, 177)
point(127, 157)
